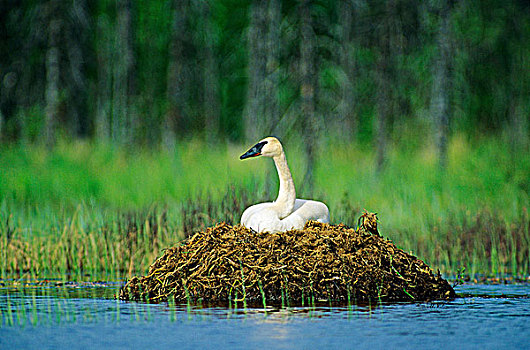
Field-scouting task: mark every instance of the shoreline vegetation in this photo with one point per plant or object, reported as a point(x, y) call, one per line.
point(86, 209)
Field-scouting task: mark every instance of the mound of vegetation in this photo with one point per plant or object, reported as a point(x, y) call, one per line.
point(321, 262)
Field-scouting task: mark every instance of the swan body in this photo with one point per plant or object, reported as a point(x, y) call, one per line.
point(286, 212)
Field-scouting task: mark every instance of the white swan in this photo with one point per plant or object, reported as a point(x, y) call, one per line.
point(286, 212)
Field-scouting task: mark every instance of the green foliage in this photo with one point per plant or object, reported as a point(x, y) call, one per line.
point(109, 199)
point(489, 40)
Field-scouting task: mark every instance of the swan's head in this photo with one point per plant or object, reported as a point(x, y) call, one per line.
point(268, 147)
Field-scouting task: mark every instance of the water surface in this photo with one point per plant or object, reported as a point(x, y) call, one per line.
point(86, 316)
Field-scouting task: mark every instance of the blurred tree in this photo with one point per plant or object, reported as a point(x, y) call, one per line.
point(486, 38)
point(516, 39)
point(52, 70)
point(395, 34)
point(211, 103)
point(348, 11)
point(272, 67)
point(176, 73)
point(308, 76)
point(103, 78)
point(441, 86)
point(124, 119)
point(65, 96)
point(384, 80)
point(262, 112)
point(10, 46)
point(23, 67)
point(93, 68)
point(76, 47)
point(253, 115)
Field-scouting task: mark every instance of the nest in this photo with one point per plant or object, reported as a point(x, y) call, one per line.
point(321, 262)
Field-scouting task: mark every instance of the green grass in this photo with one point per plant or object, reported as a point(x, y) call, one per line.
point(98, 210)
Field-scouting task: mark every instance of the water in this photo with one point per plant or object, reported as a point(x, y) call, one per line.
point(85, 316)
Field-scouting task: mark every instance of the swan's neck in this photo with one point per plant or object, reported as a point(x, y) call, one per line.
point(287, 194)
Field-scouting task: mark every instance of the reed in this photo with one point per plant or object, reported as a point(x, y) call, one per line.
point(89, 211)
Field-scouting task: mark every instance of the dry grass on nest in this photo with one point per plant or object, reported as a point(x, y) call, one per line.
point(320, 262)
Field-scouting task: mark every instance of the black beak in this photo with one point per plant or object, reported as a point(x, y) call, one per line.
point(254, 151)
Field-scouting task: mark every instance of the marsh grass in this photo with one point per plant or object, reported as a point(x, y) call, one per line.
point(89, 211)
point(48, 305)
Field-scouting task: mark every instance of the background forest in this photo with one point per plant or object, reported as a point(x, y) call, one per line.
point(148, 72)
point(117, 115)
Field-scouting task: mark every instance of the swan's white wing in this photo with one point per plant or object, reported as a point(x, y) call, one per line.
point(264, 217)
point(254, 213)
point(311, 210)
point(265, 220)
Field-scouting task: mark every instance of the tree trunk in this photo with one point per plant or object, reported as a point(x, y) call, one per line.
point(123, 117)
point(307, 91)
point(76, 37)
point(52, 73)
point(253, 118)
point(104, 82)
point(383, 110)
point(272, 74)
point(262, 112)
point(390, 36)
point(517, 92)
point(347, 117)
point(175, 74)
point(212, 110)
point(383, 94)
point(440, 104)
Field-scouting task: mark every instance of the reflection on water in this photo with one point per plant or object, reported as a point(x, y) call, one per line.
point(86, 316)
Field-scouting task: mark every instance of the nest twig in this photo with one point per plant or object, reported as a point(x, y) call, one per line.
point(320, 262)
